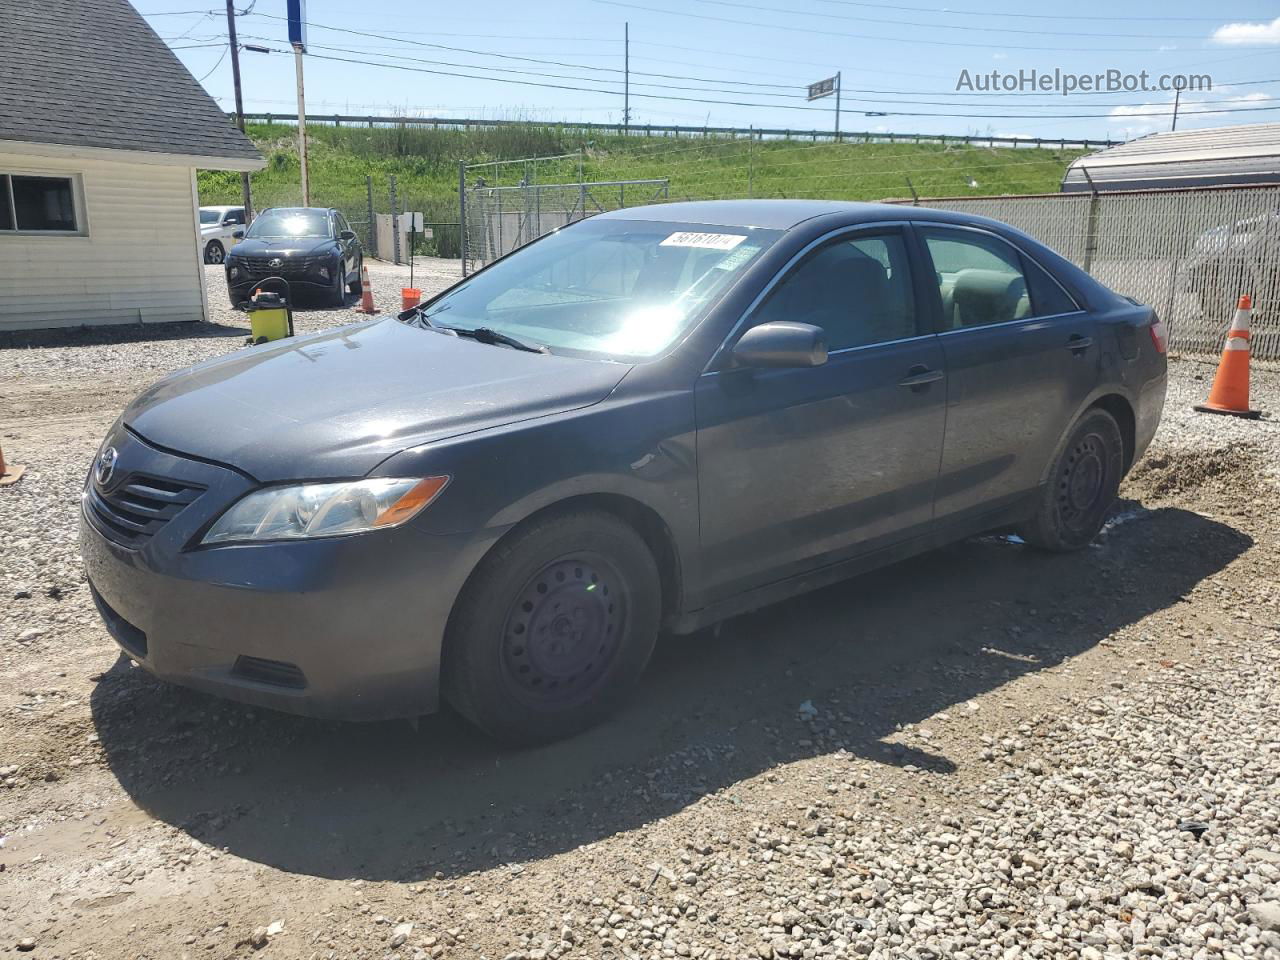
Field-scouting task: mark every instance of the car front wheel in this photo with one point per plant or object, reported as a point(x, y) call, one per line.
point(214, 252)
point(1082, 486)
point(554, 628)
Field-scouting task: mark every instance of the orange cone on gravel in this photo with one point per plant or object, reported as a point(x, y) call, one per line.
point(366, 291)
point(1230, 391)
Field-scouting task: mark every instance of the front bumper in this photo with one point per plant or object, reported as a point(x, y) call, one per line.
point(346, 627)
point(307, 284)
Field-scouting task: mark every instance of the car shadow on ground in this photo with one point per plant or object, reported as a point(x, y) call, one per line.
point(388, 802)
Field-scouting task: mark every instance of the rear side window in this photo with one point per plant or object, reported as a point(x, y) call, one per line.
point(1047, 296)
point(856, 288)
point(984, 280)
point(980, 278)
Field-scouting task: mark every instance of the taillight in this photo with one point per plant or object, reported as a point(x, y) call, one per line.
point(1159, 335)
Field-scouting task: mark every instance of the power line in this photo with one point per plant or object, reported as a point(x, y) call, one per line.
point(778, 106)
point(225, 51)
point(983, 29)
point(857, 36)
point(664, 76)
point(1222, 18)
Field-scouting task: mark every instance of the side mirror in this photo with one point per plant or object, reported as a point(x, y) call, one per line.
point(782, 344)
point(237, 234)
point(347, 235)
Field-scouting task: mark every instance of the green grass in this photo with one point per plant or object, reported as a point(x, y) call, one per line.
point(425, 164)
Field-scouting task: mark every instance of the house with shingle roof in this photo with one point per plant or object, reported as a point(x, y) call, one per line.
point(102, 130)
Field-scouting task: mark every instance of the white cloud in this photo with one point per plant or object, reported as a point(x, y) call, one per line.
point(1238, 33)
point(999, 56)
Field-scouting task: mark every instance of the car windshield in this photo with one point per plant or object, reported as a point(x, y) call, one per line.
point(210, 216)
point(608, 288)
point(290, 223)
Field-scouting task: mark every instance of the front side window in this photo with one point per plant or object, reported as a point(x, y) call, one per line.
point(614, 289)
point(37, 204)
point(856, 288)
point(983, 280)
point(288, 224)
point(234, 216)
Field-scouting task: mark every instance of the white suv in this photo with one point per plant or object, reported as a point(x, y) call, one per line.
point(217, 228)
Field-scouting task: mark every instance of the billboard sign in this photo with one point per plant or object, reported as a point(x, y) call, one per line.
point(297, 10)
point(823, 88)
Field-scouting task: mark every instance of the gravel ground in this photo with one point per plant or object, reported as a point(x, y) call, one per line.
point(1037, 756)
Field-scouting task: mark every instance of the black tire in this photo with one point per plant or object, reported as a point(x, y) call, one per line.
point(554, 628)
point(338, 295)
point(1082, 485)
point(357, 285)
point(214, 252)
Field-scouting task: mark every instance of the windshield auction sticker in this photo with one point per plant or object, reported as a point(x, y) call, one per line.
point(710, 241)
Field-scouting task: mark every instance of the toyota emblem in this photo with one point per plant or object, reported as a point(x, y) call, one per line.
point(275, 263)
point(105, 467)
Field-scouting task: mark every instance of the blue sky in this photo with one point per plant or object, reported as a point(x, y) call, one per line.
point(752, 55)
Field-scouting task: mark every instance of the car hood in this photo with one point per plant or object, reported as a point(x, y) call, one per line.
point(285, 246)
point(337, 404)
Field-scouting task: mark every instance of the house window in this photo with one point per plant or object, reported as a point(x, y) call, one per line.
point(33, 204)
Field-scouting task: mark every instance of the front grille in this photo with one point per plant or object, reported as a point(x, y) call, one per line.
point(136, 510)
point(256, 268)
point(275, 672)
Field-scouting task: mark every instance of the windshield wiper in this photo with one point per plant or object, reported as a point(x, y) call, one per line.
point(489, 335)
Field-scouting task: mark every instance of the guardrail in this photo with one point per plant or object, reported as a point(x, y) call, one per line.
point(658, 130)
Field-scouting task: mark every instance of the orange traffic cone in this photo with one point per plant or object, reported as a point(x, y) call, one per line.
point(366, 291)
point(1230, 391)
point(10, 472)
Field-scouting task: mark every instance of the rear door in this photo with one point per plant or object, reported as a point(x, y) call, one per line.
point(1021, 358)
point(802, 467)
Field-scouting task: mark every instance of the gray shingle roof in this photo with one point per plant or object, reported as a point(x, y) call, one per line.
point(92, 73)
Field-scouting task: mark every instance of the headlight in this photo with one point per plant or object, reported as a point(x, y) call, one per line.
point(324, 509)
point(323, 270)
point(232, 270)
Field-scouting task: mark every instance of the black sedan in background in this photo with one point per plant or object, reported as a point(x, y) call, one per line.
point(650, 420)
point(314, 248)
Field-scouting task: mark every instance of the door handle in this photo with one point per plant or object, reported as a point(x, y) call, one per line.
point(1078, 344)
point(919, 377)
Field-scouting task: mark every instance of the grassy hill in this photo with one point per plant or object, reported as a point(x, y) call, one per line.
point(425, 164)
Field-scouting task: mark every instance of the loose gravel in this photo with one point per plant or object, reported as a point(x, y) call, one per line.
point(984, 752)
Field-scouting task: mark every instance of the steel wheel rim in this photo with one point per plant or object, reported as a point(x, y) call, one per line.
point(1082, 481)
point(563, 630)
point(215, 253)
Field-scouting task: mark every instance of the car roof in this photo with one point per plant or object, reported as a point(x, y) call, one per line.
point(222, 206)
point(301, 210)
point(783, 214)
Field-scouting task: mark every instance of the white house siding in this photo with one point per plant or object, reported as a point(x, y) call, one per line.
point(138, 264)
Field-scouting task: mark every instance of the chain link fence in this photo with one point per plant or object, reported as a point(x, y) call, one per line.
point(1188, 253)
point(499, 219)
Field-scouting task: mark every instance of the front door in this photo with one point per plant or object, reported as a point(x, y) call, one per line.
point(1021, 359)
point(802, 467)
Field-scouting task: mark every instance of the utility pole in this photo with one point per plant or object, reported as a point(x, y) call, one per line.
point(245, 196)
point(837, 106)
point(1177, 95)
point(302, 124)
point(626, 75)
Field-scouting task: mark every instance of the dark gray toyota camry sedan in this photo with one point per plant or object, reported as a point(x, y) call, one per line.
point(650, 420)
